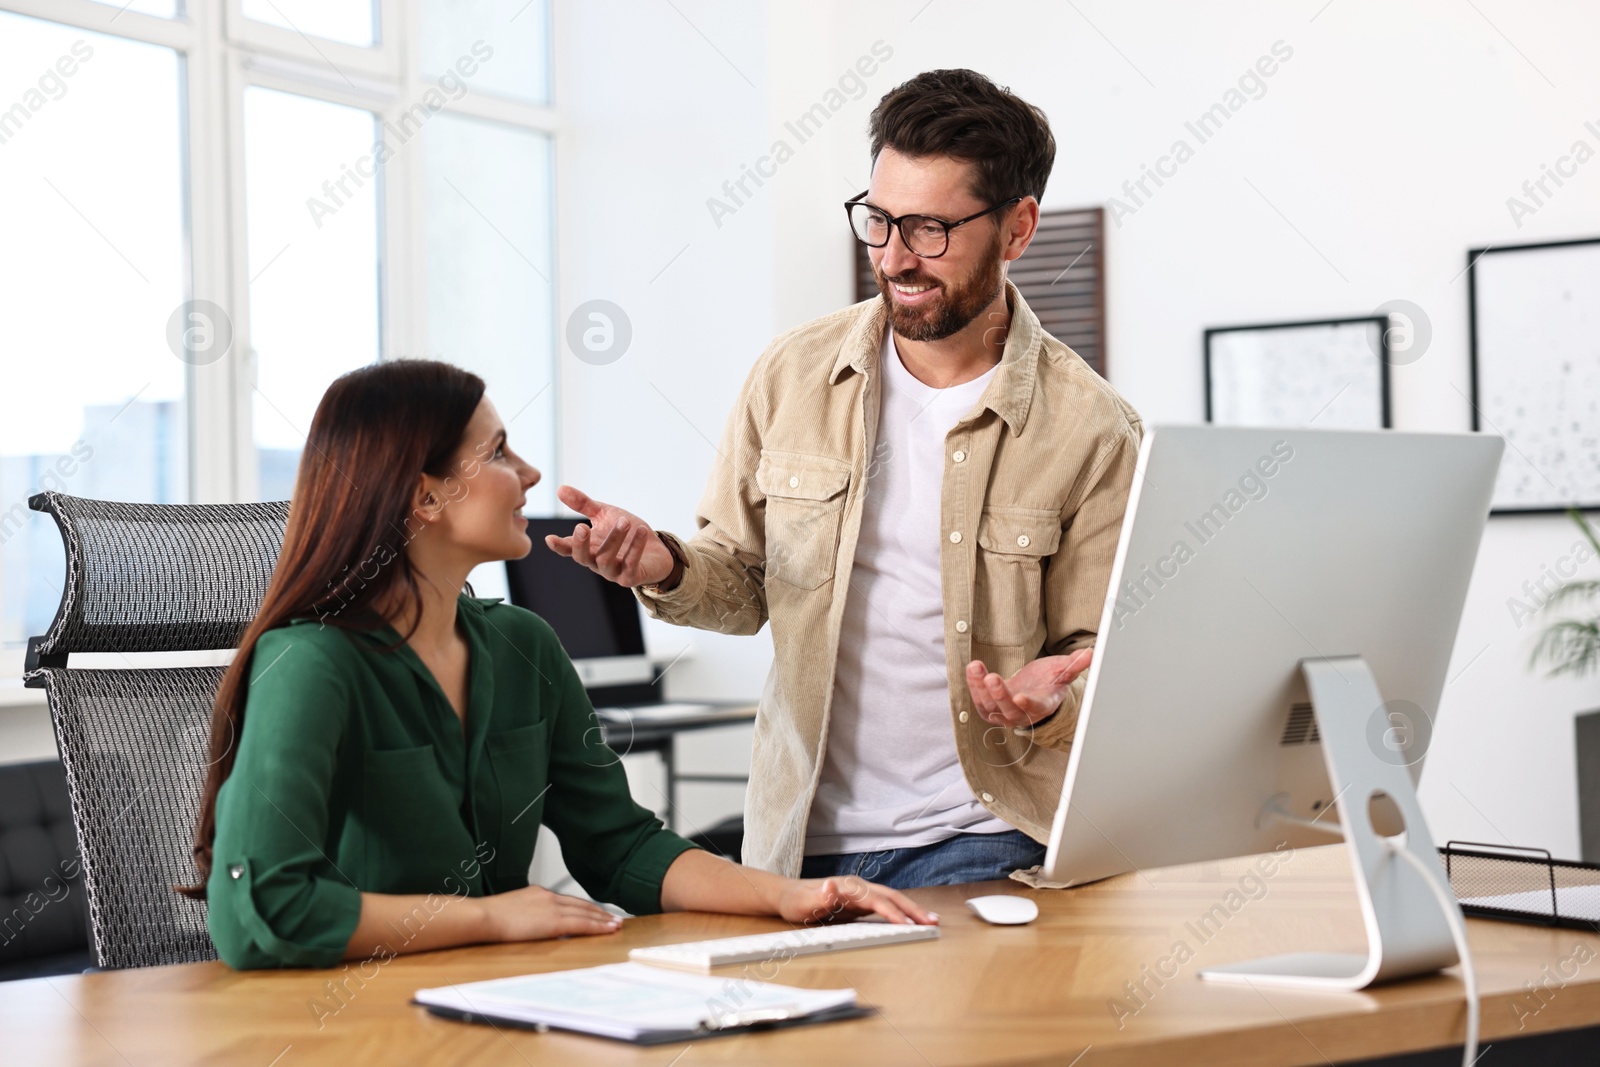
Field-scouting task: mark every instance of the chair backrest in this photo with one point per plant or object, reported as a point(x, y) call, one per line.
point(145, 578)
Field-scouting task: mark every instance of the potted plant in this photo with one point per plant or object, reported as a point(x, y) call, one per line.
point(1571, 646)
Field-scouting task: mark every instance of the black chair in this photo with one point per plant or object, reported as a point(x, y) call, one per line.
point(134, 742)
point(44, 923)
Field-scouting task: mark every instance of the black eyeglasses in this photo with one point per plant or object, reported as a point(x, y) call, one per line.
point(924, 235)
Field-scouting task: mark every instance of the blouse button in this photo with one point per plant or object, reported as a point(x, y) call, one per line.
point(236, 871)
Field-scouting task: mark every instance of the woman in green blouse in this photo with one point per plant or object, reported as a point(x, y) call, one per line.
point(385, 747)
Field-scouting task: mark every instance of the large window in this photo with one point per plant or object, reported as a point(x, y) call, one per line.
point(350, 21)
point(216, 207)
point(313, 272)
point(487, 264)
point(91, 267)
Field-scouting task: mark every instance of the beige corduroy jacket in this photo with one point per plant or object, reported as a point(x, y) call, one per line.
point(1036, 479)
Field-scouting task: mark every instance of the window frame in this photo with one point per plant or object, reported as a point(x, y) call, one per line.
point(222, 53)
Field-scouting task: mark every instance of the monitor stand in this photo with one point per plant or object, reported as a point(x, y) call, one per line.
point(1406, 932)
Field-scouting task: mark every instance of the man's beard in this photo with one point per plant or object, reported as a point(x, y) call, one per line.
point(955, 307)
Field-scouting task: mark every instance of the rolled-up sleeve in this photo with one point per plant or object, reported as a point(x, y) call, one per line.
point(275, 897)
point(617, 849)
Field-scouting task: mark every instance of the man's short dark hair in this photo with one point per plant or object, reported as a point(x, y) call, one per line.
point(963, 115)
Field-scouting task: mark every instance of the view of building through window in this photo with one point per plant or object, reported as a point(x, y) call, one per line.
point(96, 162)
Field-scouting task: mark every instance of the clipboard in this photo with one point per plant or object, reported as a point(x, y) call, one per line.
point(659, 1037)
point(638, 1004)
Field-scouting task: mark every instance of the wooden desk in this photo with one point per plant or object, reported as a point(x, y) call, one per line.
point(980, 995)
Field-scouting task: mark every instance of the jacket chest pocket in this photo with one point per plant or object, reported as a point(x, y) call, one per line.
point(805, 509)
point(520, 759)
point(1013, 544)
point(410, 821)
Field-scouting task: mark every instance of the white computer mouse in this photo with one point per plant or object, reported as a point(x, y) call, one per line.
point(1004, 909)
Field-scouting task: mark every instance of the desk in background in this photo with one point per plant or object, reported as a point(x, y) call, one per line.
point(1047, 993)
point(661, 738)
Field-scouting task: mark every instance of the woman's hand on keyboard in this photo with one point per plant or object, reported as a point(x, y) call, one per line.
point(821, 900)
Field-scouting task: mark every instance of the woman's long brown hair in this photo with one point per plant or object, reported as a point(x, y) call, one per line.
point(375, 432)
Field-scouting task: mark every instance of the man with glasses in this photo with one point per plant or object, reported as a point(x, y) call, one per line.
point(922, 493)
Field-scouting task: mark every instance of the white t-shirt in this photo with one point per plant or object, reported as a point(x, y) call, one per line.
point(891, 777)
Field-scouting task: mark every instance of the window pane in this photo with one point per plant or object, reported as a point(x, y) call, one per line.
point(312, 221)
point(486, 250)
point(91, 268)
point(166, 9)
point(350, 21)
point(500, 47)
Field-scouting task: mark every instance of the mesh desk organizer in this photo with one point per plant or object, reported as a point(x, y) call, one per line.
point(1523, 885)
point(134, 742)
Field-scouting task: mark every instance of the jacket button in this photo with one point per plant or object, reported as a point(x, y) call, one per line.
point(955, 537)
point(959, 456)
point(794, 483)
point(963, 716)
point(1022, 542)
point(961, 626)
point(236, 871)
point(988, 798)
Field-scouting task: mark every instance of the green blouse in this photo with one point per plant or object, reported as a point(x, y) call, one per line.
point(354, 774)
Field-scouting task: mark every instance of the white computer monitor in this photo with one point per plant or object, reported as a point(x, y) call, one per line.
point(1247, 554)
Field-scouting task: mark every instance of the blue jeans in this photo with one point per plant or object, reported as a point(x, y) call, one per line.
point(962, 858)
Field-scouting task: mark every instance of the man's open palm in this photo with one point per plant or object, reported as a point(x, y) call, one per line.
point(1036, 690)
point(617, 545)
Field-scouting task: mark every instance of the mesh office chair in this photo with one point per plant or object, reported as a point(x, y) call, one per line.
point(145, 578)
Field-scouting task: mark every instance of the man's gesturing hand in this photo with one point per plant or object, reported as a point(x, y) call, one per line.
point(1029, 695)
point(616, 545)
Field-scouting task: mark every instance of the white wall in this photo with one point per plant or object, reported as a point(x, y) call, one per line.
point(1381, 150)
point(655, 122)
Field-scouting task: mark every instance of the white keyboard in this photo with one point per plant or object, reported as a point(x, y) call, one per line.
point(803, 941)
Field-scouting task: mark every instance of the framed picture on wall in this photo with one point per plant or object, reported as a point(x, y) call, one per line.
point(1535, 344)
point(1332, 374)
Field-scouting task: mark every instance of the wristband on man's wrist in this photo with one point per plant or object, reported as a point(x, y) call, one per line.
point(670, 582)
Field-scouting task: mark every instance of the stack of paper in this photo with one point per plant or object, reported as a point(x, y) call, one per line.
point(1568, 902)
point(635, 1002)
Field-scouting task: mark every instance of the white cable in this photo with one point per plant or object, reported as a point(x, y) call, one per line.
point(1458, 930)
point(1447, 901)
point(1276, 810)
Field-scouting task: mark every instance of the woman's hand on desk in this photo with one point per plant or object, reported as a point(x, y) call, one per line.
point(529, 914)
point(817, 900)
point(1031, 694)
point(535, 913)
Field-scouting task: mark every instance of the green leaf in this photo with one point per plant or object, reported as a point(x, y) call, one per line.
point(1579, 591)
point(1588, 531)
point(1571, 646)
